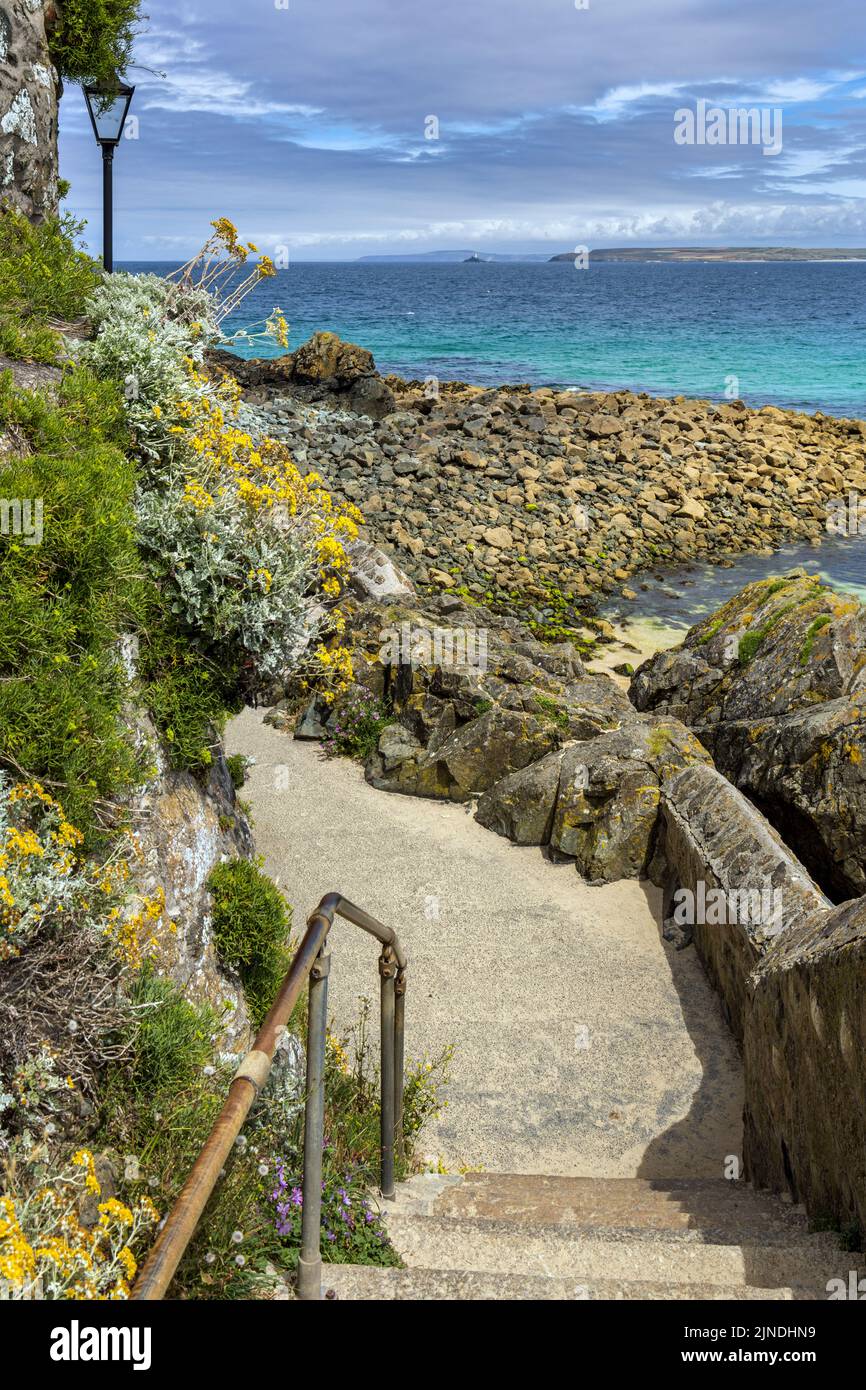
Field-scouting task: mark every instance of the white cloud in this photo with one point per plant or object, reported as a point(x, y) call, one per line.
point(214, 92)
point(716, 220)
point(616, 102)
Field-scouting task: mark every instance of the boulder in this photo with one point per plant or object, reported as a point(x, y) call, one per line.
point(521, 806)
point(323, 370)
point(374, 575)
point(595, 801)
point(326, 360)
point(491, 746)
point(463, 763)
point(774, 685)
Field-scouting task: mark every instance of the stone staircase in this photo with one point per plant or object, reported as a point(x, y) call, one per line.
point(495, 1236)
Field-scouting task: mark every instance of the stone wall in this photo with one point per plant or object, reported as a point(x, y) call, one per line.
point(794, 991)
point(29, 94)
point(805, 1064)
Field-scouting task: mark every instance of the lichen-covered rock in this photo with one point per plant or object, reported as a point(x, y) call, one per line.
point(595, 801)
point(374, 575)
point(465, 763)
point(184, 829)
point(774, 685)
point(779, 645)
point(474, 696)
point(488, 748)
point(325, 368)
point(521, 806)
point(805, 771)
point(29, 94)
point(558, 756)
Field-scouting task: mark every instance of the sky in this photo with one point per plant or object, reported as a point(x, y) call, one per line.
point(309, 122)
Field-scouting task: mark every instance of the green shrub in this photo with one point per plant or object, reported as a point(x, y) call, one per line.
point(359, 718)
point(233, 575)
point(144, 335)
point(823, 620)
point(91, 40)
point(550, 710)
point(251, 925)
point(188, 694)
point(44, 277)
point(82, 411)
point(774, 585)
point(160, 1101)
point(66, 600)
point(748, 645)
point(171, 1041)
point(237, 765)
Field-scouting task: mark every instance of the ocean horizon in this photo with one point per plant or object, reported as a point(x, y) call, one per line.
point(790, 334)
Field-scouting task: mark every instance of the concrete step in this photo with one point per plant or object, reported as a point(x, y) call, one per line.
point(710, 1209)
point(588, 1256)
point(364, 1283)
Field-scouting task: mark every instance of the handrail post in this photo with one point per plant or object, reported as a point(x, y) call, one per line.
point(399, 1048)
point(312, 960)
point(310, 1259)
point(388, 972)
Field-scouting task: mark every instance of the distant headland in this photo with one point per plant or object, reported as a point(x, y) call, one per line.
point(720, 253)
point(631, 253)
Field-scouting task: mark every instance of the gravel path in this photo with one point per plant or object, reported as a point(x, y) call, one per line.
point(585, 1045)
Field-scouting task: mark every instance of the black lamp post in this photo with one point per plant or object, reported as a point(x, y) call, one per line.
point(107, 106)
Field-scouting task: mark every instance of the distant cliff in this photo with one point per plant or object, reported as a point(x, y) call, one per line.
point(720, 253)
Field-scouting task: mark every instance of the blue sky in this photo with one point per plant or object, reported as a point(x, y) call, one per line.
point(304, 122)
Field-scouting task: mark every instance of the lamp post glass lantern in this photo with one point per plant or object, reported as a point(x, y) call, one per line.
point(107, 107)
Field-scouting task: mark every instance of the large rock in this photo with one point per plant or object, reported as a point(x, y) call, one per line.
point(595, 801)
point(29, 94)
point(464, 763)
point(374, 575)
point(324, 369)
point(481, 708)
point(475, 697)
point(774, 685)
point(521, 806)
point(325, 360)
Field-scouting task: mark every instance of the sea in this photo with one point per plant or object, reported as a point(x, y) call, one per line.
point(791, 334)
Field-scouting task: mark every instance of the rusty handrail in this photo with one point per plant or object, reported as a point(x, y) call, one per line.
point(310, 962)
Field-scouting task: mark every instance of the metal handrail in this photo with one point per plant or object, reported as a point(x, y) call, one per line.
point(312, 961)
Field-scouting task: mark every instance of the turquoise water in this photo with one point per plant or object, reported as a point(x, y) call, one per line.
point(679, 598)
point(791, 334)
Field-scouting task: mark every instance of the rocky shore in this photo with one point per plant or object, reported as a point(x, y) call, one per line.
point(734, 766)
point(537, 499)
point(512, 510)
